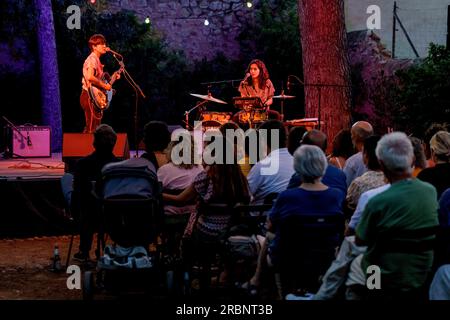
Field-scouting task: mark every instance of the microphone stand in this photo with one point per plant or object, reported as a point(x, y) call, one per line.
point(319, 87)
point(138, 92)
point(186, 113)
point(8, 152)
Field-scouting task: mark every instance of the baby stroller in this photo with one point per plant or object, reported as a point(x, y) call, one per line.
point(130, 198)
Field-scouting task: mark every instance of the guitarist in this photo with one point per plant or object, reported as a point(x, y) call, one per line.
point(92, 72)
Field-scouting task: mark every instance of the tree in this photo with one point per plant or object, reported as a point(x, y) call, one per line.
point(325, 63)
point(50, 98)
point(421, 99)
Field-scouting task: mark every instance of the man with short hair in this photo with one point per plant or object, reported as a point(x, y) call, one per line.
point(262, 180)
point(354, 166)
point(398, 225)
point(88, 170)
point(92, 73)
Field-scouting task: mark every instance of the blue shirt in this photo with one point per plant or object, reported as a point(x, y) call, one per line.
point(333, 178)
point(301, 202)
point(270, 175)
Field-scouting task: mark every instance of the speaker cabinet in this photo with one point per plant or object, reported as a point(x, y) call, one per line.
point(79, 145)
point(31, 142)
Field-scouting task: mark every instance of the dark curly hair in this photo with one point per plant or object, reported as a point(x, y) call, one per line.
point(263, 73)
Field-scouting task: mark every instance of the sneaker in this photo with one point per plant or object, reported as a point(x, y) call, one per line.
point(81, 257)
point(306, 296)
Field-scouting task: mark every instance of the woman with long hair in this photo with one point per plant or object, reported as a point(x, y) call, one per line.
point(257, 84)
point(219, 182)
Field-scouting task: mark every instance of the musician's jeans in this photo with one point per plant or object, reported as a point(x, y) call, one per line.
point(93, 118)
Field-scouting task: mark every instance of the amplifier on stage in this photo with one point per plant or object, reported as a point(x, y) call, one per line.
point(31, 141)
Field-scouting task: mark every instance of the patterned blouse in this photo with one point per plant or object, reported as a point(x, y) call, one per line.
point(368, 181)
point(211, 225)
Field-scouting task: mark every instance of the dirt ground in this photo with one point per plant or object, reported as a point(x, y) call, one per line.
point(25, 269)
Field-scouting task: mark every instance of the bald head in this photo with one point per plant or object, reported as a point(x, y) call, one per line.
point(315, 138)
point(361, 130)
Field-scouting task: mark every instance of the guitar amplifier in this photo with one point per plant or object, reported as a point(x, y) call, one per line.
point(31, 141)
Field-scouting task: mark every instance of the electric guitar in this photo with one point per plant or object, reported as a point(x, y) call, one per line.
point(101, 98)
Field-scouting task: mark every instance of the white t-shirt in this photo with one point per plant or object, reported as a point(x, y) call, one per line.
point(173, 177)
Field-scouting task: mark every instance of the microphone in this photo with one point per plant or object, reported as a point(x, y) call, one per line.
point(28, 140)
point(108, 49)
point(247, 76)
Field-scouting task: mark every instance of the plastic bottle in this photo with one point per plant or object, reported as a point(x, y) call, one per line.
point(56, 265)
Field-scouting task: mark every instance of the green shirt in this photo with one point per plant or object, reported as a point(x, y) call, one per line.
point(407, 205)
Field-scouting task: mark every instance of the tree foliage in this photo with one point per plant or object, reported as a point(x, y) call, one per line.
point(422, 98)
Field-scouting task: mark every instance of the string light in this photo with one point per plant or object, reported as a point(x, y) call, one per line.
point(93, 1)
point(147, 20)
point(206, 23)
point(249, 4)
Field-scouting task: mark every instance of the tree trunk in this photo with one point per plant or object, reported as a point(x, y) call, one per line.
point(50, 98)
point(325, 64)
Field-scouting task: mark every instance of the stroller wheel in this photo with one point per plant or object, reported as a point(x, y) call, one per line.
point(88, 286)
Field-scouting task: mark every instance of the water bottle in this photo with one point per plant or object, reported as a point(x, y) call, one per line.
point(56, 265)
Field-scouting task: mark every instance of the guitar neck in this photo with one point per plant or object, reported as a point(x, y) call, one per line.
point(114, 77)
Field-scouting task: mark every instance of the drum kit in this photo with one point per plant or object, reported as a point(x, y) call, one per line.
point(253, 110)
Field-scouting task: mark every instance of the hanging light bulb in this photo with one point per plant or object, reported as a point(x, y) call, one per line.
point(206, 23)
point(249, 4)
point(92, 1)
point(147, 20)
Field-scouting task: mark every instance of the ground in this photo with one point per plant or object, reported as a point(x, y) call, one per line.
point(25, 269)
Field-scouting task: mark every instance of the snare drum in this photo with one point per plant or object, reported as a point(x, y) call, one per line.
point(221, 117)
point(258, 116)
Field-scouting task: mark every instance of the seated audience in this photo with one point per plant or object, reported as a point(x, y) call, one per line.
point(295, 137)
point(354, 166)
point(342, 149)
point(333, 177)
point(420, 161)
point(312, 197)
point(156, 139)
point(371, 179)
point(271, 174)
point(398, 226)
point(87, 171)
point(177, 177)
point(439, 175)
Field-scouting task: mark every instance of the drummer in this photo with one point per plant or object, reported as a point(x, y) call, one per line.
point(257, 84)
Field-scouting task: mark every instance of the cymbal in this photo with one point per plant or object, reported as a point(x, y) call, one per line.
point(208, 97)
point(283, 96)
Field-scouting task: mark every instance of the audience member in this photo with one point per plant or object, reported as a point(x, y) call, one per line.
point(398, 225)
point(87, 171)
point(354, 166)
point(295, 137)
point(420, 161)
point(333, 177)
point(371, 179)
point(312, 197)
point(156, 139)
point(271, 174)
point(439, 175)
point(342, 149)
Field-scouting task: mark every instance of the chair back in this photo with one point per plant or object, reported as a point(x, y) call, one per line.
point(306, 248)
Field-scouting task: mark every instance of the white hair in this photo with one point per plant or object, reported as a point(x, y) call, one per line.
point(310, 162)
point(396, 152)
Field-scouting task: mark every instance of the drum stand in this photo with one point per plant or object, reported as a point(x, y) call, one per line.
point(186, 113)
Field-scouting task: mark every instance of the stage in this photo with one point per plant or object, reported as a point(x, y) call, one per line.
point(32, 200)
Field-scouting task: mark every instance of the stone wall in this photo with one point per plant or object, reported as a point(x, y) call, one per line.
point(182, 23)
